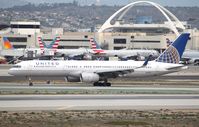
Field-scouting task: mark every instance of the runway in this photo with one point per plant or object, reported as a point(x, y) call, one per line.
point(98, 102)
point(14, 88)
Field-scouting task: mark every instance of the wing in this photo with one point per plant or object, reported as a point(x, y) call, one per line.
point(177, 68)
point(118, 72)
point(114, 73)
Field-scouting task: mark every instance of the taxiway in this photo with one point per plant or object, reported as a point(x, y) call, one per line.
point(97, 102)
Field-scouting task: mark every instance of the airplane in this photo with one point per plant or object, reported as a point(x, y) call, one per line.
point(98, 72)
point(190, 57)
point(69, 54)
point(27, 53)
point(73, 54)
point(138, 54)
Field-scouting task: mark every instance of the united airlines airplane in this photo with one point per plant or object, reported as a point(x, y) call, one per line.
point(98, 72)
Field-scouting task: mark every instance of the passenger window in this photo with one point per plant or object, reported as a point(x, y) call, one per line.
point(16, 66)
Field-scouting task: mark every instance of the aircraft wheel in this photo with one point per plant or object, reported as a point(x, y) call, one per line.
point(48, 82)
point(101, 84)
point(108, 84)
point(30, 84)
point(96, 84)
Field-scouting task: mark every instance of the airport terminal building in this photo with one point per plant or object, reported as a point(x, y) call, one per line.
point(115, 33)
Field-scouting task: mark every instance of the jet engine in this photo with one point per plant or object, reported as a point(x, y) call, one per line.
point(72, 79)
point(89, 77)
point(87, 56)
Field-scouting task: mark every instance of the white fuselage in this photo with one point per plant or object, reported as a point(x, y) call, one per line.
point(128, 53)
point(72, 52)
point(76, 68)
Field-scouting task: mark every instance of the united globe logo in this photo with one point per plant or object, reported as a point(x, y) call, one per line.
point(171, 55)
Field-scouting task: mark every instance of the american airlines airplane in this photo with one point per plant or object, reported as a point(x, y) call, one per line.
point(66, 53)
point(98, 72)
point(122, 54)
point(69, 54)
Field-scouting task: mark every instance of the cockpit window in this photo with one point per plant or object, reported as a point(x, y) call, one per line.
point(16, 66)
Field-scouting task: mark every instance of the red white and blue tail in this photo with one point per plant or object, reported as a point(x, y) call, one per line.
point(41, 44)
point(53, 45)
point(56, 43)
point(95, 47)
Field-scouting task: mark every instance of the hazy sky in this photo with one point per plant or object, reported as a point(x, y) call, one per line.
point(124, 2)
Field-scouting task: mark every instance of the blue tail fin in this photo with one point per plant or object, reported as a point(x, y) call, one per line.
point(174, 52)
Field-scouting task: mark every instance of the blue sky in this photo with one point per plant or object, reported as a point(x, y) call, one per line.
point(124, 2)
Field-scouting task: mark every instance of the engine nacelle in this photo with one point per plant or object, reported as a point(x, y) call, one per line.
point(72, 79)
point(87, 56)
point(89, 77)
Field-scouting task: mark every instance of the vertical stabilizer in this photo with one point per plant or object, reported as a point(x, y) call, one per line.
point(174, 52)
point(7, 43)
point(94, 44)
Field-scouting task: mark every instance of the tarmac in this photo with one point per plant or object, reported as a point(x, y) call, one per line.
point(182, 92)
point(97, 102)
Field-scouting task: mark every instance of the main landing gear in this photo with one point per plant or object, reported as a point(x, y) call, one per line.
point(101, 84)
point(104, 83)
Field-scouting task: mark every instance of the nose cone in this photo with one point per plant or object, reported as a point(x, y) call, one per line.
point(11, 72)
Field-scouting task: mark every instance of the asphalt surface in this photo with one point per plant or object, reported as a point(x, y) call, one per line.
point(97, 102)
point(14, 88)
point(17, 86)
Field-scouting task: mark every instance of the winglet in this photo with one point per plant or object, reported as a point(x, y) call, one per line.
point(147, 60)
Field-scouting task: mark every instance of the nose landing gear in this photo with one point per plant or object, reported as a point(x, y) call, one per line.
point(30, 81)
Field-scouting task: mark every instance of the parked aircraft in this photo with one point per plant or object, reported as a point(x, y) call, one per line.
point(26, 53)
point(136, 54)
point(74, 54)
point(190, 57)
point(86, 54)
point(98, 72)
